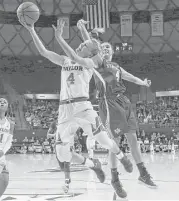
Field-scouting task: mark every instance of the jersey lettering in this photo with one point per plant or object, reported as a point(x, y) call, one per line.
point(71, 79)
point(75, 68)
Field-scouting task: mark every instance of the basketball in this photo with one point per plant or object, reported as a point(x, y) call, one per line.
point(28, 13)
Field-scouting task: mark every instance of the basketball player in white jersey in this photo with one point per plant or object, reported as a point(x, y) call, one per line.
point(76, 158)
point(74, 109)
point(6, 136)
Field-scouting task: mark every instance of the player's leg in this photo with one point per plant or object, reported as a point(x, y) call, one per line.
point(64, 156)
point(4, 181)
point(65, 135)
point(135, 151)
point(117, 124)
point(90, 144)
point(115, 182)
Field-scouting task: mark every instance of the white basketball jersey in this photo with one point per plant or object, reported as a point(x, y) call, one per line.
point(74, 80)
point(4, 133)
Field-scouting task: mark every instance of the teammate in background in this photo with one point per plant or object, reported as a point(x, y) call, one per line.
point(6, 137)
point(121, 116)
point(74, 109)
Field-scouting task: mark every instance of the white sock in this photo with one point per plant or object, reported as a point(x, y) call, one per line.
point(120, 155)
point(89, 163)
point(91, 153)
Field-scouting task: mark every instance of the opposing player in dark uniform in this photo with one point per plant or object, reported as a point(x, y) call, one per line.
point(119, 113)
point(116, 111)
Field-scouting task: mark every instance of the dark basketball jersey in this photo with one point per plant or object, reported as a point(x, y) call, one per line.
point(112, 75)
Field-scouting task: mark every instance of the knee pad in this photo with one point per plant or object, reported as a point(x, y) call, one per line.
point(63, 152)
point(4, 181)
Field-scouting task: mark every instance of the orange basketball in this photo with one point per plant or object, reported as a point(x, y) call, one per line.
point(28, 13)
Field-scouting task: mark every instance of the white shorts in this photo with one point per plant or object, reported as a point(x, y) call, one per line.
point(75, 115)
point(63, 152)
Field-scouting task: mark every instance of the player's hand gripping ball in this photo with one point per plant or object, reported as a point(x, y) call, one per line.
point(28, 13)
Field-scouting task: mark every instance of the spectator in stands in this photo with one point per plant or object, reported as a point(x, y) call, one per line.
point(147, 144)
point(25, 140)
point(46, 146)
point(36, 142)
point(141, 145)
point(32, 140)
point(31, 148)
point(143, 135)
point(14, 140)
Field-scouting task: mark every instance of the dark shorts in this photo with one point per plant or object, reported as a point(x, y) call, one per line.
point(121, 116)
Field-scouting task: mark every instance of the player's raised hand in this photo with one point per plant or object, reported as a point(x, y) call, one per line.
point(27, 26)
point(81, 23)
point(147, 82)
point(59, 29)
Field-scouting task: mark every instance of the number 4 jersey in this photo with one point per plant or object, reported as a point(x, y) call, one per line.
point(74, 80)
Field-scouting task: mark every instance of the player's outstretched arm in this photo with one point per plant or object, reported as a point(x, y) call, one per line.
point(131, 78)
point(86, 62)
point(52, 56)
point(85, 34)
point(81, 26)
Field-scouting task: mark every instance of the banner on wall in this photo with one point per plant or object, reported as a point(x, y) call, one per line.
point(167, 93)
point(66, 29)
point(42, 96)
point(157, 24)
point(126, 24)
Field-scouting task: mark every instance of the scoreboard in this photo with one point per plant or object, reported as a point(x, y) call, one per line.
point(123, 47)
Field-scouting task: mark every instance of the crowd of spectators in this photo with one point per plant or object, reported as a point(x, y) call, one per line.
point(156, 142)
point(41, 113)
point(147, 141)
point(163, 112)
point(44, 145)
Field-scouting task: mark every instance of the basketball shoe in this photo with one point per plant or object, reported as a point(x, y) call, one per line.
point(98, 170)
point(145, 178)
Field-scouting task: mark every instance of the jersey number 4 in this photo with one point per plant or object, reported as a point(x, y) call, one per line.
point(71, 79)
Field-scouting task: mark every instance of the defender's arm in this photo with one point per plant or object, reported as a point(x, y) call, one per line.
point(131, 78)
point(86, 62)
point(81, 26)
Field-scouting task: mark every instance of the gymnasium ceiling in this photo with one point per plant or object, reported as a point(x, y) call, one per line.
point(14, 39)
